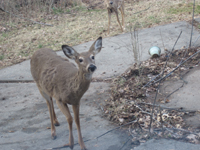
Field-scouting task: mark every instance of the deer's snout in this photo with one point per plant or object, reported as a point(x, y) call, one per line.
point(111, 2)
point(92, 68)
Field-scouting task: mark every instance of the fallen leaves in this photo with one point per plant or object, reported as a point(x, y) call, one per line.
point(130, 99)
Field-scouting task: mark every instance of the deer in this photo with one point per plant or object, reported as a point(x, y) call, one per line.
point(113, 6)
point(56, 77)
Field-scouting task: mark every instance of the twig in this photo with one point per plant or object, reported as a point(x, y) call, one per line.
point(191, 34)
point(2, 10)
point(16, 81)
point(179, 129)
point(100, 106)
point(184, 56)
point(60, 147)
point(116, 128)
point(168, 129)
point(160, 73)
point(129, 130)
point(95, 137)
point(162, 39)
point(26, 18)
point(180, 64)
point(196, 40)
point(142, 10)
point(143, 110)
point(125, 143)
point(174, 91)
point(139, 125)
point(161, 120)
point(192, 24)
point(151, 80)
point(51, 5)
point(177, 109)
point(160, 82)
point(177, 67)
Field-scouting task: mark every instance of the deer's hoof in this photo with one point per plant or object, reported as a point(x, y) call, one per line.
point(83, 147)
point(53, 137)
point(57, 123)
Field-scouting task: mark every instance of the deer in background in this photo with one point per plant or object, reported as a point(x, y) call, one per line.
point(57, 78)
point(113, 6)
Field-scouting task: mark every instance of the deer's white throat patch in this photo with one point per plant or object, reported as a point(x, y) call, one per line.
point(88, 76)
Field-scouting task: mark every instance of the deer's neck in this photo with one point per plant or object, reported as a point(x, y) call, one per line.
point(82, 80)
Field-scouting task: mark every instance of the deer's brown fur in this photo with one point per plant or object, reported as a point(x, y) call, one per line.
point(58, 78)
point(113, 6)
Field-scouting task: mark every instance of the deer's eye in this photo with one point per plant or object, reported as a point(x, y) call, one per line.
point(80, 60)
point(92, 57)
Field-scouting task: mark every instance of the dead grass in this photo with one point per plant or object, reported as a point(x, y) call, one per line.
point(78, 24)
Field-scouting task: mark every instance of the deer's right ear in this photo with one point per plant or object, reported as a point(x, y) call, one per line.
point(97, 45)
point(69, 51)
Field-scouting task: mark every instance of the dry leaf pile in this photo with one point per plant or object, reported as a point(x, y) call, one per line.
point(131, 101)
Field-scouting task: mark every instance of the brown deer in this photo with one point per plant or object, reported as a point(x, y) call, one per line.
point(57, 78)
point(113, 6)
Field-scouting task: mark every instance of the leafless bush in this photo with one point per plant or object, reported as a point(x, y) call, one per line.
point(135, 45)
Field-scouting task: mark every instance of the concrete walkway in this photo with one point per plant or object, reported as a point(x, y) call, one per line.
point(24, 117)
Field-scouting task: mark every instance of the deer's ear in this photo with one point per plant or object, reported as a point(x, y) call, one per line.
point(97, 45)
point(69, 51)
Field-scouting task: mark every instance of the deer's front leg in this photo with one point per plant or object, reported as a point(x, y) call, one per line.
point(109, 17)
point(77, 120)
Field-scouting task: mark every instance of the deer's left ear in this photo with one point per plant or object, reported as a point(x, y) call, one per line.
point(69, 52)
point(96, 46)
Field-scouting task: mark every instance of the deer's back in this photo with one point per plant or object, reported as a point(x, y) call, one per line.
point(50, 71)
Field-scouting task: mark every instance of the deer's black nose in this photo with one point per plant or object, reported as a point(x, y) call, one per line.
point(92, 68)
point(111, 2)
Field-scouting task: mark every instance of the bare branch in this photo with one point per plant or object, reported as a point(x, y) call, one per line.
point(160, 82)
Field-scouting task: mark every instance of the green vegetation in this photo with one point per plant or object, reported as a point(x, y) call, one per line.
point(5, 34)
point(1, 57)
point(183, 8)
point(154, 19)
point(57, 10)
point(40, 46)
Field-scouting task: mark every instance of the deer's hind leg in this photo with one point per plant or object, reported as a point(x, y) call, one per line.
point(116, 13)
point(52, 114)
point(109, 18)
point(65, 110)
point(123, 15)
point(55, 120)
